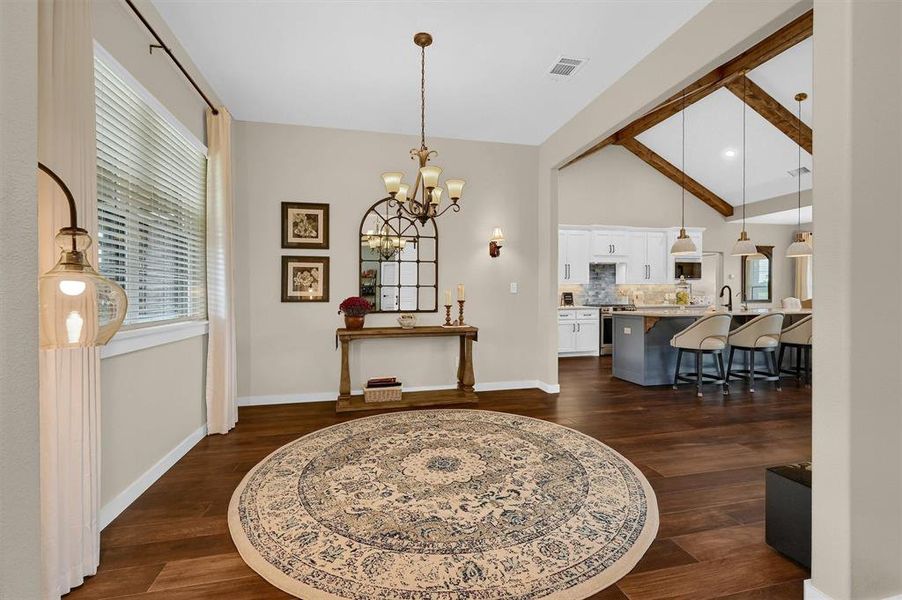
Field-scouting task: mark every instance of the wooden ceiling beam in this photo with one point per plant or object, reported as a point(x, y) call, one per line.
point(781, 40)
point(675, 175)
point(766, 106)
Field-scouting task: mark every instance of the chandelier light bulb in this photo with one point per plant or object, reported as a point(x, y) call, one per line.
point(72, 287)
point(430, 176)
point(455, 188)
point(74, 324)
point(392, 182)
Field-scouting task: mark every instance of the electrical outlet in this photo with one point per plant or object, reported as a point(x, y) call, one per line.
point(515, 287)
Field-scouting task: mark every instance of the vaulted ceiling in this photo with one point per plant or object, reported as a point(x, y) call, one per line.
point(353, 65)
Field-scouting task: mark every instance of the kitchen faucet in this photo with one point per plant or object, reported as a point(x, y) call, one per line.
point(729, 303)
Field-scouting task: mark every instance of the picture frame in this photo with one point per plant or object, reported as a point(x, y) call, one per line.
point(305, 279)
point(305, 225)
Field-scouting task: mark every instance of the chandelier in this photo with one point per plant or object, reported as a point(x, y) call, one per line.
point(387, 245)
point(428, 205)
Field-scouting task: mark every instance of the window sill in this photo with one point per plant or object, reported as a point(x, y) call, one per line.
point(132, 340)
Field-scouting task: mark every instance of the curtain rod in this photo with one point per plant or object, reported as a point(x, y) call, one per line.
point(162, 45)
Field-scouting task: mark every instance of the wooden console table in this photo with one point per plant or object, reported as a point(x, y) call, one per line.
point(464, 394)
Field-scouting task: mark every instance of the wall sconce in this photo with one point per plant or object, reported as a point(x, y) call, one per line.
point(495, 242)
point(79, 307)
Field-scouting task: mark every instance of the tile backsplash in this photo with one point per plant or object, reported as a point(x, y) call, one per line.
point(603, 289)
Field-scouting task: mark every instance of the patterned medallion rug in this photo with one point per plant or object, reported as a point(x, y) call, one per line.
point(443, 504)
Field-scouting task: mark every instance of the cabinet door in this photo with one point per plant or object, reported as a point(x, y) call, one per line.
point(566, 337)
point(636, 271)
point(587, 336)
point(578, 256)
point(657, 257)
point(562, 256)
point(620, 243)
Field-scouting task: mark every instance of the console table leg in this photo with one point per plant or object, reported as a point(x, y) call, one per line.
point(469, 379)
point(344, 386)
point(460, 363)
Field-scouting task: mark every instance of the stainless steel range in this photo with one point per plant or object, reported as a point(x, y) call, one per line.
point(606, 339)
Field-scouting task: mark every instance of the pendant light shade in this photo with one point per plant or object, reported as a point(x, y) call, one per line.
point(683, 244)
point(744, 246)
point(800, 246)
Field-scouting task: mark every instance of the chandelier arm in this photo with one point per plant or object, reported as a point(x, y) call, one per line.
point(455, 207)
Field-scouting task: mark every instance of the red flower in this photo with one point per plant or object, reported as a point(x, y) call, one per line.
point(355, 306)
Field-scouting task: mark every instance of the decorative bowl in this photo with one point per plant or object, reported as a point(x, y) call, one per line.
point(407, 321)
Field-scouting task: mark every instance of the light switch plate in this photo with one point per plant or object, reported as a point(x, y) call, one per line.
point(627, 331)
point(515, 287)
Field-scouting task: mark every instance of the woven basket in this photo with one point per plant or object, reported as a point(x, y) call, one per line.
point(382, 394)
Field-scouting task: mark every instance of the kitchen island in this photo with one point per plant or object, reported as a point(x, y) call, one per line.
point(642, 350)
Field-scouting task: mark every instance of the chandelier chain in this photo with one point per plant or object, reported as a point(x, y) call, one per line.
point(745, 83)
point(423, 97)
point(799, 173)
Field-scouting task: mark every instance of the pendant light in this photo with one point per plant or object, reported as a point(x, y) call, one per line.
point(683, 244)
point(744, 246)
point(800, 246)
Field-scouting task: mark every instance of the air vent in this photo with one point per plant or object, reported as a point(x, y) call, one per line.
point(799, 172)
point(565, 67)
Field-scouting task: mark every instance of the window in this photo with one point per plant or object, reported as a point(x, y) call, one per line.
point(151, 205)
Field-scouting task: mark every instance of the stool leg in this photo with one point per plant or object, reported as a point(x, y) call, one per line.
point(799, 352)
point(698, 373)
point(780, 360)
point(776, 371)
point(676, 371)
point(723, 375)
point(750, 368)
point(730, 363)
point(808, 365)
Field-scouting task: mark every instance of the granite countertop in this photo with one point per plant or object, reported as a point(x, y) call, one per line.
point(701, 312)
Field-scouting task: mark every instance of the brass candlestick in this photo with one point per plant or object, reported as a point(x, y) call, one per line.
point(448, 315)
point(460, 320)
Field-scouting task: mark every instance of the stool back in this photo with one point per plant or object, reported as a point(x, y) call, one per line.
point(708, 328)
point(762, 331)
point(798, 333)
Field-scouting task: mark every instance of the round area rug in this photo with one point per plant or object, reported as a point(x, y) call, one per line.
point(443, 504)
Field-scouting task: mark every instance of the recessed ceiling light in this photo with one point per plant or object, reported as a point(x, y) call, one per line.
point(729, 153)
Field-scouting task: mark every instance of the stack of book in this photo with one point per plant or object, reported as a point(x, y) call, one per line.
point(382, 389)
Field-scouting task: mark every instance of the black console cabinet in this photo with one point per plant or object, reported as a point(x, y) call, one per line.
point(788, 511)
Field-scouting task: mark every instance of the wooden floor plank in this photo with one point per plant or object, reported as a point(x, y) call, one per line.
point(704, 457)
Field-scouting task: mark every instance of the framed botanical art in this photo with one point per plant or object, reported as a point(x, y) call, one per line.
point(305, 225)
point(305, 279)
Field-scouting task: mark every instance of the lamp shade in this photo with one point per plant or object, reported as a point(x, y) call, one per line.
point(744, 246)
point(799, 248)
point(497, 236)
point(430, 176)
point(392, 182)
point(79, 307)
point(437, 196)
point(683, 245)
point(455, 188)
point(401, 196)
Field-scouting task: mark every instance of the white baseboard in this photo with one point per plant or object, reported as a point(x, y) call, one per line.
point(812, 593)
point(114, 507)
point(491, 386)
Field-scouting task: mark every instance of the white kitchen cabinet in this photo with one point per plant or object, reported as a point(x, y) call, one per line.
point(573, 256)
point(647, 261)
point(578, 331)
point(609, 243)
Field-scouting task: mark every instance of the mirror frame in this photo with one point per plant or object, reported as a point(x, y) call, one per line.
point(397, 212)
point(767, 251)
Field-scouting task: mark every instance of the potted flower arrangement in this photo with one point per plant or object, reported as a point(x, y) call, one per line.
point(354, 309)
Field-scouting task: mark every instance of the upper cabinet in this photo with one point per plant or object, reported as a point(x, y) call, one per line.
point(573, 256)
point(609, 245)
point(648, 257)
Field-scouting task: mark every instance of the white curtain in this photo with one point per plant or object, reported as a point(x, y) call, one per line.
point(69, 379)
point(803, 270)
point(222, 375)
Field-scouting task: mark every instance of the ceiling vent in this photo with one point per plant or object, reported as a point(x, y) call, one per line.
point(566, 67)
point(799, 172)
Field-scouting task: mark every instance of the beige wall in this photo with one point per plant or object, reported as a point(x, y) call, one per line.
point(151, 400)
point(614, 187)
point(289, 348)
point(20, 527)
point(857, 401)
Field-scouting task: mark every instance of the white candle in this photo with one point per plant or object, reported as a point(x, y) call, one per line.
point(447, 297)
point(460, 292)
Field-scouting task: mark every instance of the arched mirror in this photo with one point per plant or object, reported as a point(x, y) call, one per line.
point(757, 276)
point(398, 260)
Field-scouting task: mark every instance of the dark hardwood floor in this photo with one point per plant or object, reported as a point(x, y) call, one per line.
point(705, 458)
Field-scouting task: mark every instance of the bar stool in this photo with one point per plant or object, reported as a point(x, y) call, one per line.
point(761, 334)
point(707, 335)
point(797, 337)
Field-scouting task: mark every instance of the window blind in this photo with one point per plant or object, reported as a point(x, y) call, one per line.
point(151, 205)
